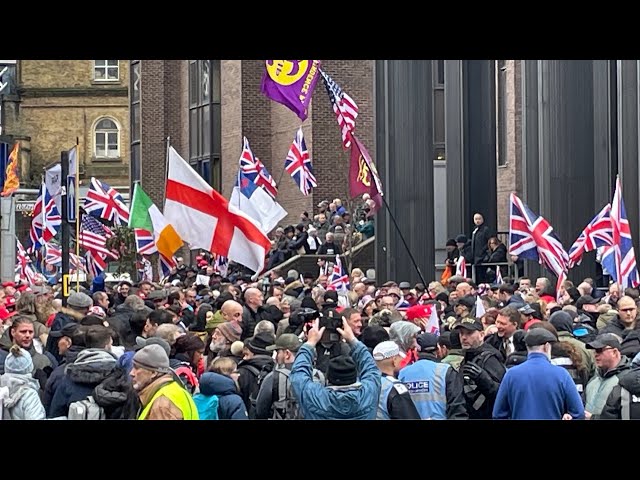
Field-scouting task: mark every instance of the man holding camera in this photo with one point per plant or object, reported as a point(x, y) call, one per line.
point(345, 398)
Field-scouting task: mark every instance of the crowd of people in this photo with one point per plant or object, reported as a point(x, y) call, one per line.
point(203, 346)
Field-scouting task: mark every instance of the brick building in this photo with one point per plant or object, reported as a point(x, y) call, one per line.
point(207, 106)
point(51, 103)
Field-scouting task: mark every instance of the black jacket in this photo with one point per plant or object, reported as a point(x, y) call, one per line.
point(58, 374)
point(248, 380)
point(481, 395)
point(400, 404)
point(479, 242)
point(616, 326)
point(497, 342)
point(629, 380)
point(115, 394)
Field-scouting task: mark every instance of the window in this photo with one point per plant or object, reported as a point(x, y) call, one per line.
point(438, 110)
point(136, 120)
point(204, 119)
point(501, 109)
point(107, 139)
point(106, 70)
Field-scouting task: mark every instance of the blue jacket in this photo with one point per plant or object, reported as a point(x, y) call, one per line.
point(230, 404)
point(537, 390)
point(354, 402)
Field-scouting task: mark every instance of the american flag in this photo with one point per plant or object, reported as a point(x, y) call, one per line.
point(103, 201)
point(145, 243)
point(339, 279)
point(598, 233)
point(344, 107)
point(255, 170)
point(298, 164)
point(94, 235)
point(619, 259)
point(531, 236)
point(46, 220)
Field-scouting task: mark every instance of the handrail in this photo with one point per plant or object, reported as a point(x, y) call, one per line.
point(355, 249)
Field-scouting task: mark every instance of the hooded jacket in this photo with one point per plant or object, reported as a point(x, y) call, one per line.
point(23, 401)
point(91, 367)
point(58, 374)
point(600, 387)
point(358, 401)
point(629, 380)
point(230, 404)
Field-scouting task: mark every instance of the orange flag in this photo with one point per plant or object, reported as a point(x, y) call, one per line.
point(12, 182)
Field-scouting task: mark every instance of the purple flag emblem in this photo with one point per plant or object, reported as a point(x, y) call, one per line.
point(291, 83)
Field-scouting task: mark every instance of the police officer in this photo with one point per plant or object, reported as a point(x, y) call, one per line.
point(482, 369)
point(436, 388)
point(395, 400)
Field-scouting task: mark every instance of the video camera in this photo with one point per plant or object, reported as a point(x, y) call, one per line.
point(331, 320)
point(303, 316)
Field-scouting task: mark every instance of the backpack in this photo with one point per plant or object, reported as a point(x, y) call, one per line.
point(207, 406)
point(285, 405)
point(86, 409)
point(189, 379)
point(260, 375)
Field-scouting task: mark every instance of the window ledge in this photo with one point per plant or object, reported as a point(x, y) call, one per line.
point(107, 82)
point(106, 159)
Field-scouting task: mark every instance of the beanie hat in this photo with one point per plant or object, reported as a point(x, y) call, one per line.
point(230, 331)
point(158, 341)
point(18, 361)
point(451, 243)
point(152, 357)
point(562, 321)
point(308, 302)
point(258, 343)
point(342, 371)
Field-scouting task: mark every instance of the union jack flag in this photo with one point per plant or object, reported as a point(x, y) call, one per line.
point(96, 263)
point(145, 243)
point(221, 265)
point(298, 164)
point(619, 259)
point(598, 233)
point(53, 255)
point(461, 267)
point(165, 265)
point(23, 266)
point(339, 279)
point(103, 201)
point(46, 220)
point(255, 170)
point(532, 237)
point(344, 107)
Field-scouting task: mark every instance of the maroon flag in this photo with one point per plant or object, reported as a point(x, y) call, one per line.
point(291, 83)
point(363, 175)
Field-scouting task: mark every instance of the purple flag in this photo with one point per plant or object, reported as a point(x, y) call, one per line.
point(291, 83)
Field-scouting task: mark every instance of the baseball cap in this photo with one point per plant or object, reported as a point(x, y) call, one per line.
point(527, 310)
point(427, 342)
point(386, 350)
point(9, 302)
point(605, 340)
point(467, 301)
point(470, 323)
point(67, 331)
point(404, 285)
point(539, 336)
point(286, 341)
point(8, 284)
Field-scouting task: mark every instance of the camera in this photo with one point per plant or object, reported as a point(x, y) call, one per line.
point(302, 316)
point(331, 321)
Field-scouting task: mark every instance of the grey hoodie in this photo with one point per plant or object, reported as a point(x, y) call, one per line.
point(23, 401)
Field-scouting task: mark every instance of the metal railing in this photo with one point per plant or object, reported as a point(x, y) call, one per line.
point(512, 269)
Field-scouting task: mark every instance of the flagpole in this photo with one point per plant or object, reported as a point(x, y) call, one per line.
point(77, 207)
point(164, 201)
point(413, 260)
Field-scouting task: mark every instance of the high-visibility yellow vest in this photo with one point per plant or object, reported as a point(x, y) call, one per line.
point(179, 397)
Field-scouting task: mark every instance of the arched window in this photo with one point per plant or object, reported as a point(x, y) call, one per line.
point(107, 139)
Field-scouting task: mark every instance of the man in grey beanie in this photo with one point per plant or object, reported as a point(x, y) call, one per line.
point(161, 396)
